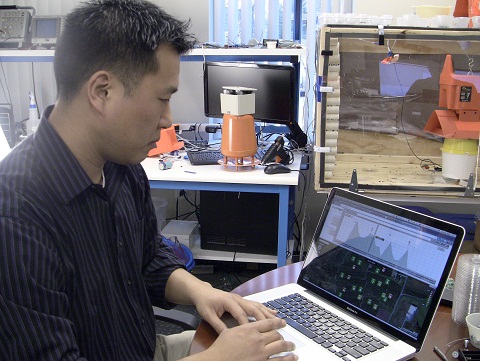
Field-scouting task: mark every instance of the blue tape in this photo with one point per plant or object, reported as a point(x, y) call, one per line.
point(317, 88)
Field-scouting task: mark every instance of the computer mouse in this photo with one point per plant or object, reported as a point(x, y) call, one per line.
point(276, 168)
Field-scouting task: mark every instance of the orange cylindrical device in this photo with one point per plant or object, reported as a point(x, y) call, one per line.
point(238, 136)
point(473, 8)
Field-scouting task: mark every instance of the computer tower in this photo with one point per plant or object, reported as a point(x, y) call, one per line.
point(239, 222)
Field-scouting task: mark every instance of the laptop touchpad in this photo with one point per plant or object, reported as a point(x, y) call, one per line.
point(289, 337)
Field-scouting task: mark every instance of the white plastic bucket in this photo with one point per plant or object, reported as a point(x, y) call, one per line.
point(160, 205)
point(459, 158)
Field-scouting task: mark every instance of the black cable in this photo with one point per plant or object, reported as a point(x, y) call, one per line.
point(290, 156)
point(296, 216)
point(176, 208)
point(188, 200)
point(184, 216)
point(195, 206)
point(426, 162)
point(34, 91)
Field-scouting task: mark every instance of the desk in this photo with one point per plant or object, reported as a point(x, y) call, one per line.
point(442, 331)
point(185, 176)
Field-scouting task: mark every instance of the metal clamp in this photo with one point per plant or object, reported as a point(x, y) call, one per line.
point(381, 35)
point(470, 190)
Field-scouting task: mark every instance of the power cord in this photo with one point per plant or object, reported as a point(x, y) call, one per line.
point(425, 163)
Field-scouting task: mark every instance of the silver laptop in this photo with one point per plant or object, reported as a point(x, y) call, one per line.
point(371, 282)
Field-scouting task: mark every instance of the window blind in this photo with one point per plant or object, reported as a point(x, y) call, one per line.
point(239, 21)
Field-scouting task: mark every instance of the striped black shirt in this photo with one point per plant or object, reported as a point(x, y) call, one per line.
point(80, 265)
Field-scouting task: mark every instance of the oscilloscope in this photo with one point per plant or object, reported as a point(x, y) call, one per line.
point(14, 27)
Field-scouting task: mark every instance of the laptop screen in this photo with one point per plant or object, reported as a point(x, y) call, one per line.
point(381, 262)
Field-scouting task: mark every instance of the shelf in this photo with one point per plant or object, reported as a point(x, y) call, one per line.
point(34, 56)
point(238, 54)
point(300, 51)
point(291, 55)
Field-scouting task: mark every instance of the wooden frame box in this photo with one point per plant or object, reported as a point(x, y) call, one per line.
point(376, 89)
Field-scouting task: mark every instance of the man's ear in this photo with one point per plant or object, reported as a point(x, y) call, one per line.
point(98, 88)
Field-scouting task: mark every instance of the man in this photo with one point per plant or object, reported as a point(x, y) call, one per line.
point(80, 260)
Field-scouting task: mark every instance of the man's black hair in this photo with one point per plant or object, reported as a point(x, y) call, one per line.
point(120, 36)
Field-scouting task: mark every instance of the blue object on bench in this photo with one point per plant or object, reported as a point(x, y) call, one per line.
point(181, 251)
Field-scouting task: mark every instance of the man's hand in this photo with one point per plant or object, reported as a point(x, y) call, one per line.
point(211, 303)
point(255, 341)
point(250, 341)
point(215, 303)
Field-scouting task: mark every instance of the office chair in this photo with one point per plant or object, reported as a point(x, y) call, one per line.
point(184, 320)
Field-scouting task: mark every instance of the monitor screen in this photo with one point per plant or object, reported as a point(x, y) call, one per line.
point(46, 29)
point(276, 97)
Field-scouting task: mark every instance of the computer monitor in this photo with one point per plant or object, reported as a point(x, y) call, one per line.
point(46, 29)
point(276, 97)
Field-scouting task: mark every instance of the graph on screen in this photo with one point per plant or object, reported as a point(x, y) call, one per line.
point(384, 240)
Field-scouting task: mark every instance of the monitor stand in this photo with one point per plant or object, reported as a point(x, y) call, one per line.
point(297, 137)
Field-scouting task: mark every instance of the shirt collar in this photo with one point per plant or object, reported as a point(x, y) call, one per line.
point(64, 170)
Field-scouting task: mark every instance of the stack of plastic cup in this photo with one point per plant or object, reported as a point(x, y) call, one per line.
point(466, 291)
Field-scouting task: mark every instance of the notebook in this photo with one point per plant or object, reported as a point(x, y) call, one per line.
point(370, 284)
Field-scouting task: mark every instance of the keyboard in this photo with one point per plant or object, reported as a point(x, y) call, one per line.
point(204, 157)
point(208, 157)
point(339, 336)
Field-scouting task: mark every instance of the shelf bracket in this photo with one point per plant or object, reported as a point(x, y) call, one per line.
point(353, 187)
point(470, 190)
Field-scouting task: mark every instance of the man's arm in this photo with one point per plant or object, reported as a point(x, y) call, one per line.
point(259, 340)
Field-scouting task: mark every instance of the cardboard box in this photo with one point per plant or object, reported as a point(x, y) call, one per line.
point(187, 232)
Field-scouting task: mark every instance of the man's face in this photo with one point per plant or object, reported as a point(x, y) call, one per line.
point(134, 121)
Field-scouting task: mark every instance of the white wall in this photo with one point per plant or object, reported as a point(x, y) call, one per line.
point(395, 8)
point(196, 11)
point(187, 103)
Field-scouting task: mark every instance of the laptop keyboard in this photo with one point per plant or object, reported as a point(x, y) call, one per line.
point(337, 335)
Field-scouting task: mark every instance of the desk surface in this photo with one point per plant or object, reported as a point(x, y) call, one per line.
point(183, 171)
point(442, 331)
